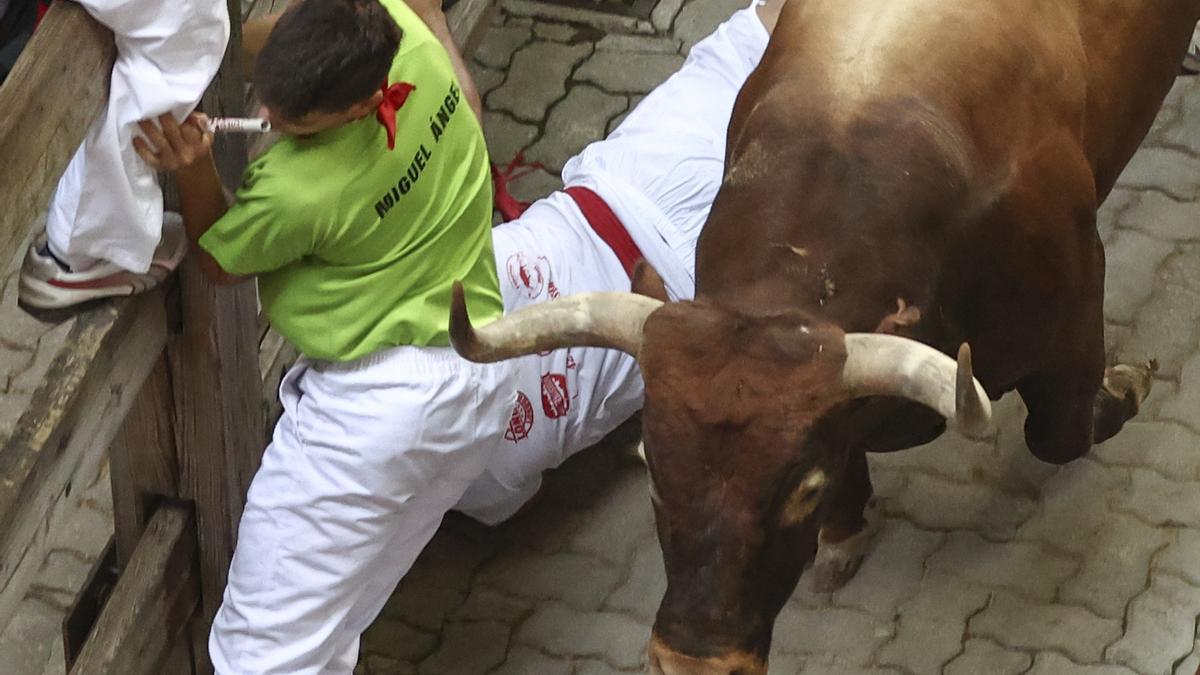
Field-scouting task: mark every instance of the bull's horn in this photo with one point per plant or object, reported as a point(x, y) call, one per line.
point(890, 365)
point(612, 320)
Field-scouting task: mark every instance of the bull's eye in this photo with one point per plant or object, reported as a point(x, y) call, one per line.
point(804, 499)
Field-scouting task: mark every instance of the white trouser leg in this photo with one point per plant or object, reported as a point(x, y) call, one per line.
point(108, 204)
point(364, 464)
point(569, 398)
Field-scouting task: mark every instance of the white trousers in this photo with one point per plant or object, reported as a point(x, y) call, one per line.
point(108, 205)
point(369, 456)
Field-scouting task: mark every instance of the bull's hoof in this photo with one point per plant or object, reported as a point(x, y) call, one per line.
point(837, 562)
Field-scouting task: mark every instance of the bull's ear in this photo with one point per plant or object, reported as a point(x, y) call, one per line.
point(647, 282)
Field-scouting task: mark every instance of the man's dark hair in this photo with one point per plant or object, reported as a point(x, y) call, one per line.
point(325, 55)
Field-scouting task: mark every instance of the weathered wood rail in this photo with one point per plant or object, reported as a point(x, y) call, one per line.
point(169, 387)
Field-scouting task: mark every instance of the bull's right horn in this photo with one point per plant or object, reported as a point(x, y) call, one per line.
point(608, 319)
point(890, 365)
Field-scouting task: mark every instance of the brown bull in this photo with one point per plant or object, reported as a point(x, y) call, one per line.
point(951, 155)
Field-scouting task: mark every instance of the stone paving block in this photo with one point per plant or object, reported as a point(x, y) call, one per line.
point(616, 121)
point(1112, 211)
point(486, 79)
point(526, 661)
point(1009, 565)
point(641, 593)
point(48, 347)
point(937, 504)
point(1168, 326)
point(506, 136)
point(12, 362)
point(581, 581)
point(1182, 556)
point(1004, 461)
point(594, 667)
point(634, 73)
point(1170, 170)
point(468, 649)
point(1181, 119)
point(32, 641)
point(663, 14)
point(373, 664)
point(20, 330)
point(537, 78)
point(1019, 623)
point(573, 122)
point(397, 640)
point(1157, 215)
point(922, 646)
point(892, 570)
point(499, 44)
point(639, 44)
point(1132, 261)
point(851, 634)
point(604, 21)
point(697, 19)
point(985, 656)
point(1183, 406)
point(562, 631)
point(1167, 448)
point(1049, 663)
point(558, 32)
point(1075, 505)
point(1188, 666)
point(1114, 566)
point(439, 580)
point(1160, 627)
point(486, 604)
point(621, 520)
point(536, 185)
point(1159, 501)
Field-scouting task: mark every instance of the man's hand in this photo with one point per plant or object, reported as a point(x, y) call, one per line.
point(173, 146)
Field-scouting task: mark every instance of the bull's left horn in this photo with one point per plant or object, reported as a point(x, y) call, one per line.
point(890, 365)
point(612, 320)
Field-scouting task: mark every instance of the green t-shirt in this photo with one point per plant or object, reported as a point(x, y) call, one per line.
point(356, 246)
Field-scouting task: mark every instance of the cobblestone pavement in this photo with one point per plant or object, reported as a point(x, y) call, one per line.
point(985, 560)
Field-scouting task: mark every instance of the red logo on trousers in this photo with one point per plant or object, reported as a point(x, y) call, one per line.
point(521, 421)
point(556, 400)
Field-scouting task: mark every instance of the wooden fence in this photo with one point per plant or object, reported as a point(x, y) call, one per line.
point(168, 386)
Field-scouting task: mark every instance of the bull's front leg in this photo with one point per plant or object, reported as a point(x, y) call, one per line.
point(844, 538)
point(1076, 401)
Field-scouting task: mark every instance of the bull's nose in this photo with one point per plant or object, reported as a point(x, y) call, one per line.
point(667, 661)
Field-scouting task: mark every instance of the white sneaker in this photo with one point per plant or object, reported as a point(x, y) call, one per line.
point(45, 284)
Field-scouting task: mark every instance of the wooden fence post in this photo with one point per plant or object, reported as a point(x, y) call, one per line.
point(214, 375)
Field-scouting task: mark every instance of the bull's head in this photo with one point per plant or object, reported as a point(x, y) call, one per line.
point(740, 464)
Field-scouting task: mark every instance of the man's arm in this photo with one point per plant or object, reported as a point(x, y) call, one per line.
point(431, 13)
point(186, 150)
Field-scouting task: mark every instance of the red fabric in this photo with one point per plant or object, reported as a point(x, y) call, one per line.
point(607, 225)
point(393, 99)
point(509, 206)
point(41, 11)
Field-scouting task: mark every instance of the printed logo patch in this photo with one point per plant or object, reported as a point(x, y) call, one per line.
point(556, 400)
point(521, 421)
point(530, 278)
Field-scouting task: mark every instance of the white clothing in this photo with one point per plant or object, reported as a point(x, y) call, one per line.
point(369, 456)
point(108, 204)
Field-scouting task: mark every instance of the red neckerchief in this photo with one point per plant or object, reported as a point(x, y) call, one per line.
point(508, 206)
point(393, 98)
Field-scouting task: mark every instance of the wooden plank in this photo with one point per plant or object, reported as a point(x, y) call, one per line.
point(74, 416)
point(89, 603)
point(40, 128)
point(143, 460)
point(469, 21)
point(152, 603)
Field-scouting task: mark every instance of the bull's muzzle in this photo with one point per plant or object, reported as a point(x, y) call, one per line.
point(667, 661)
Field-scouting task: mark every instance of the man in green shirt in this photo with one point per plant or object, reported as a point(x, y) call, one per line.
point(384, 428)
